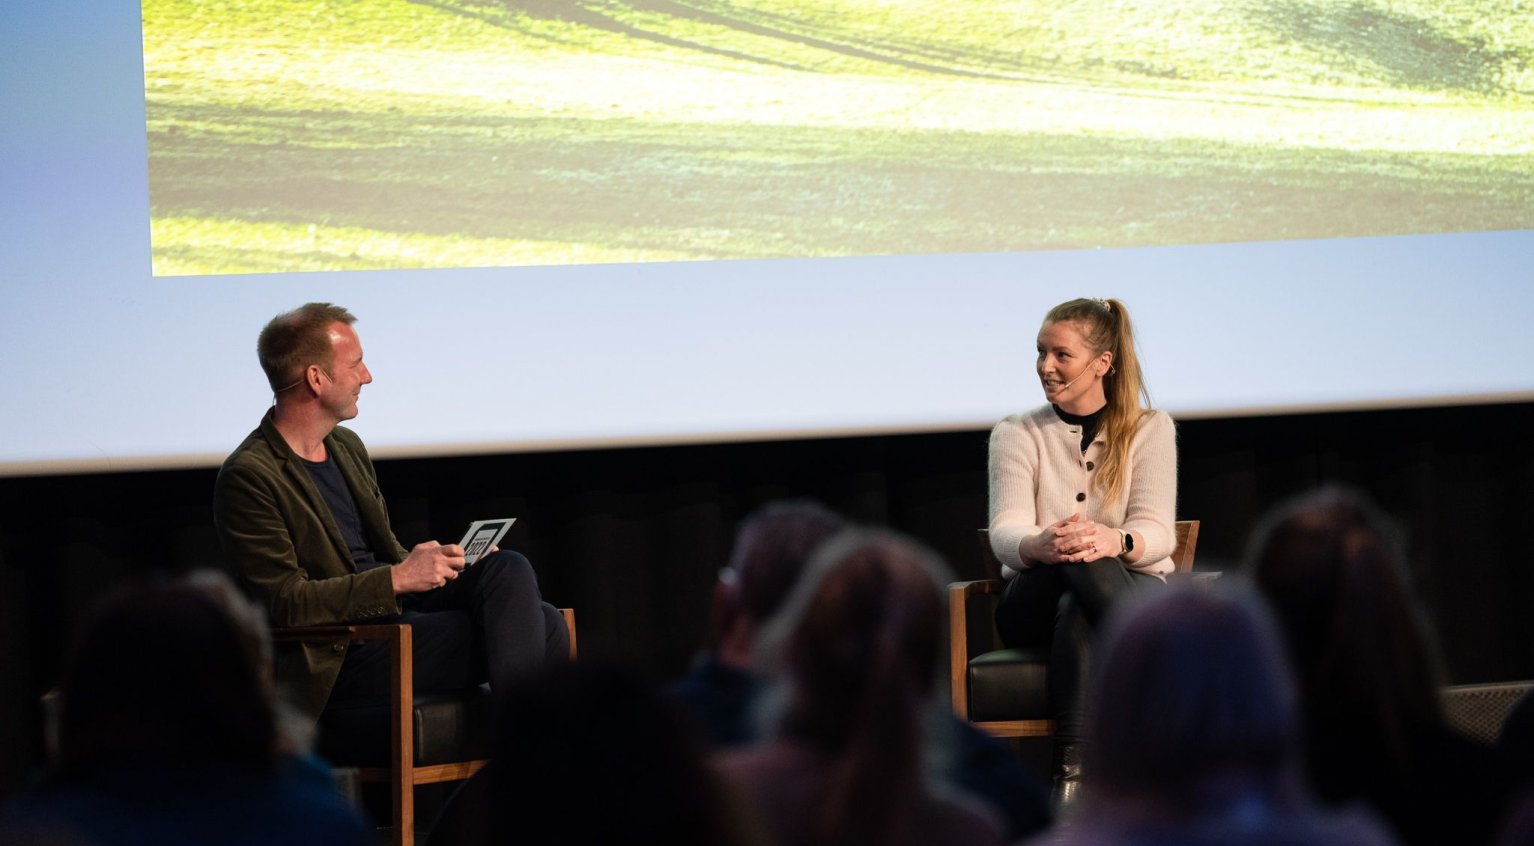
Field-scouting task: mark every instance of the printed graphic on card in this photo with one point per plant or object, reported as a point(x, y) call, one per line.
point(482, 535)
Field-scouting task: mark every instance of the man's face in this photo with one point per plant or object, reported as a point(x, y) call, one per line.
point(341, 383)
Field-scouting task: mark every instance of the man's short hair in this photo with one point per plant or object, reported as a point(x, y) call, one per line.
point(295, 339)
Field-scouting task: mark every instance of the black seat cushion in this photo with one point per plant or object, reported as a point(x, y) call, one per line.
point(449, 726)
point(1009, 684)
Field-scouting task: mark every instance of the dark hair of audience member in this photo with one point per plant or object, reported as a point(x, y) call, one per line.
point(1517, 827)
point(771, 549)
point(1370, 675)
point(169, 672)
point(1515, 740)
point(590, 753)
point(1330, 566)
point(1196, 710)
point(858, 643)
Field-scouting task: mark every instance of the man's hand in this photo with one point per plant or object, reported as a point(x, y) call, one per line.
point(429, 565)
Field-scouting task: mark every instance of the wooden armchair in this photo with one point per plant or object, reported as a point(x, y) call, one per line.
point(1005, 691)
point(431, 737)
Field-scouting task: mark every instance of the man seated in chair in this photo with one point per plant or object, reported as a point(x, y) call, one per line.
point(299, 513)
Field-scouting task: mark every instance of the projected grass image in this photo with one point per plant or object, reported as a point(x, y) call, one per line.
point(352, 134)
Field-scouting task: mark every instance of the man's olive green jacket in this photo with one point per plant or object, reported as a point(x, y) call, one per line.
point(277, 531)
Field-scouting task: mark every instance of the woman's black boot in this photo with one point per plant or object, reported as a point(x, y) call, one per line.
point(1066, 788)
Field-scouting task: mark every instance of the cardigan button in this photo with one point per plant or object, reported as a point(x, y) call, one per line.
point(1081, 497)
point(338, 647)
point(1091, 466)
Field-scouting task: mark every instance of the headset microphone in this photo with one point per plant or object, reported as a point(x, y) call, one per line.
point(1077, 379)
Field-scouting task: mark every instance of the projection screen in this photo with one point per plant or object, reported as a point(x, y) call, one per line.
point(595, 222)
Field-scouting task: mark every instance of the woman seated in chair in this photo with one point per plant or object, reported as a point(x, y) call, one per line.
point(1082, 495)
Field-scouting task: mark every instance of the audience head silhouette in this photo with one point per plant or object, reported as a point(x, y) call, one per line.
point(1329, 563)
point(1197, 706)
point(854, 654)
point(173, 672)
point(1369, 675)
point(1197, 737)
point(169, 732)
point(771, 549)
point(858, 640)
point(590, 753)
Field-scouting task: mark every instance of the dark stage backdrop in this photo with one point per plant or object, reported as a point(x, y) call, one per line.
point(632, 538)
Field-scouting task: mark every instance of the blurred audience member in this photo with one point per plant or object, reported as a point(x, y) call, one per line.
point(1515, 747)
point(1515, 744)
point(771, 550)
point(591, 754)
point(1195, 739)
point(855, 652)
point(1369, 676)
point(1518, 827)
point(169, 732)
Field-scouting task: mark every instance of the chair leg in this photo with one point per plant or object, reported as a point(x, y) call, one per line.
point(404, 809)
point(402, 738)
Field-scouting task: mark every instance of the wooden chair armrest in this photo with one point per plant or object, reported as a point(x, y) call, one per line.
point(569, 615)
point(400, 695)
point(978, 587)
point(959, 595)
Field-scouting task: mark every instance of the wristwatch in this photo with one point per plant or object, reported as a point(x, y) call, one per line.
point(1129, 544)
